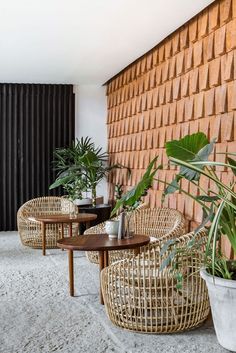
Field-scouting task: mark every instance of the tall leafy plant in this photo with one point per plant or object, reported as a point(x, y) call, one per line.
point(81, 167)
point(192, 155)
point(132, 198)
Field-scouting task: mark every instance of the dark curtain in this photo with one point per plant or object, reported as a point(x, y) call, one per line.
point(34, 120)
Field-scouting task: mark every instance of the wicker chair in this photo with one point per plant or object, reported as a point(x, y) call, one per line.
point(155, 222)
point(138, 296)
point(30, 232)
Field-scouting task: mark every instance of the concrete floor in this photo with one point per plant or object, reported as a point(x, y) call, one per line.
point(38, 315)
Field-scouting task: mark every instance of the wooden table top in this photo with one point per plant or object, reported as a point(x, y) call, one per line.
point(101, 242)
point(64, 218)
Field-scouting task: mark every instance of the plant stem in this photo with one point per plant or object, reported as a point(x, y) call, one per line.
point(94, 195)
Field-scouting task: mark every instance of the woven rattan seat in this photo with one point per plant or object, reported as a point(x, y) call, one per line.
point(140, 297)
point(155, 222)
point(30, 231)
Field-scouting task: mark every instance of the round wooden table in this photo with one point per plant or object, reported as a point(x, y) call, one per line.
point(100, 243)
point(61, 219)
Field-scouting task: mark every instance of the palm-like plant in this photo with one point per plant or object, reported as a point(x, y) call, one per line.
point(81, 167)
point(191, 154)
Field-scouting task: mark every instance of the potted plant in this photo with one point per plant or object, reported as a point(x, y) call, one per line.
point(80, 168)
point(132, 199)
point(218, 202)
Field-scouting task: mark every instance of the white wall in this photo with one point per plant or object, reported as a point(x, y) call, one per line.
point(90, 119)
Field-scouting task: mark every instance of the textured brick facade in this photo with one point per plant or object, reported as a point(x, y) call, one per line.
point(185, 84)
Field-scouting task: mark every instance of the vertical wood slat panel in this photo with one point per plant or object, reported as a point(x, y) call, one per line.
point(34, 120)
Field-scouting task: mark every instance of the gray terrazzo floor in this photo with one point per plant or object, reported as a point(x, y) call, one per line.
point(38, 315)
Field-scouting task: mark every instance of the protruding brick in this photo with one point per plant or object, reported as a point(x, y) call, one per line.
point(155, 57)
point(149, 100)
point(185, 85)
point(204, 126)
point(172, 69)
point(220, 99)
point(199, 105)
point(225, 11)
point(175, 43)
point(189, 104)
point(231, 35)
point(193, 81)
point(227, 126)
point(220, 41)
point(227, 68)
point(161, 53)
point(158, 116)
point(158, 74)
point(162, 94)
point(214, 72)
point(194, 125)
point(210, 102)
point(193, 30)
point(149, 62)
point(198, 53)
point(184, 38)
point(156, 97)
point(189, 58)
point(231, 95)
point(173, 113)
point(152, 78)
point(168, 49)
point(203, 77)
point(165, 114)
point(169, 91)
point(184, 129)
point(180, 63)
point(165, 71)
point(176, 88)
point(215, 127)
point(214, 16)
point(203, 24)
point(180, 111)
point(208, 47)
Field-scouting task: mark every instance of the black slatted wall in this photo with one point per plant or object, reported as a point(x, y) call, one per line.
point(34, 120)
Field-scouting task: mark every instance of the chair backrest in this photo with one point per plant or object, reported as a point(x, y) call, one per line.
point(46, 205)
point(159, 222)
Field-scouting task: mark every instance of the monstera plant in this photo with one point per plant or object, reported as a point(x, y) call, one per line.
point(194, 156)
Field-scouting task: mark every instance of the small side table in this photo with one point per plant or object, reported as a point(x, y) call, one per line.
point(61, 219)
point(101, 243)
point(103, 212)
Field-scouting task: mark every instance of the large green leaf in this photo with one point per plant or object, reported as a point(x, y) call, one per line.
point(186, 149)
point(191, 148)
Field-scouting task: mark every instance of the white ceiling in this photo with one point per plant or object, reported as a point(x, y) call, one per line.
point(82, 41)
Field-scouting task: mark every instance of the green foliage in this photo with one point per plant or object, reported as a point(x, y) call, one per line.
point(131, 199)
point(81, 167)
point(195, 147)
point(191, 154)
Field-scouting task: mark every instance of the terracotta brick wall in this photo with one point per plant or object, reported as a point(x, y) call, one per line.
point(185, 84)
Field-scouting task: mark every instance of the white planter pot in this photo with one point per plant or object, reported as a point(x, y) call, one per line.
point(111, 228)
point(86, 201)
point(222, 294)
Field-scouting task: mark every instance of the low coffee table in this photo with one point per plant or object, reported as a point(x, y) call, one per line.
point(100, 243)
point(61, 219)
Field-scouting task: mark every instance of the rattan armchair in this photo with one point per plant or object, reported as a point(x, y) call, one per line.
point(155, 222)
point(138, 296)
point(30, 231)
